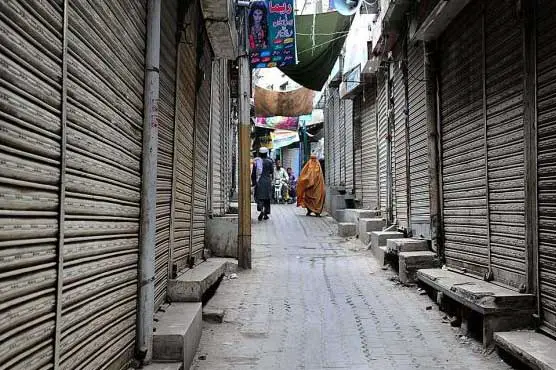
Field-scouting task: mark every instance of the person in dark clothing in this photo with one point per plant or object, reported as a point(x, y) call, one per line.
point(263, 184)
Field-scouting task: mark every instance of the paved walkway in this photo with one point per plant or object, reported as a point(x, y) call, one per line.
point(317, 301)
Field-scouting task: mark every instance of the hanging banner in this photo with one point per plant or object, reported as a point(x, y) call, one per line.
point(282, 138)
point(278, 122)
point(272, 34)
point(293, 103)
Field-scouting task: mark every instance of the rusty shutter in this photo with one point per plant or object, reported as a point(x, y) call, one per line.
point(103, 179)
point(216, 140)
point(165, 162)
point(546, 161)
point(400, 145)
point(369, 165)
point(348, 147)
point(383, 143)
point(182, 193)
point(201, 145)
point(357, 154)
point(30, 162)
point(418, 144)
point(463, 143)
point(505, 142)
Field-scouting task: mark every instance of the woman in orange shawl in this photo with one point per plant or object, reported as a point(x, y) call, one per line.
point(310, 187)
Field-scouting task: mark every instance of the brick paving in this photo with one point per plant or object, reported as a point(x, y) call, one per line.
point(317, 301)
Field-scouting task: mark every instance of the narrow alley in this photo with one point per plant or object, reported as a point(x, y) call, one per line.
point(314, 300)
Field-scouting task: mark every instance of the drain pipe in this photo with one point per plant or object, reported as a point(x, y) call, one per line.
point(147, 239)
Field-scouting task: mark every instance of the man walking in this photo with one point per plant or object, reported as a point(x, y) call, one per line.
point(263, 184)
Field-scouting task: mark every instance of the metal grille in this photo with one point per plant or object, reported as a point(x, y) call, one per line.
point(105, 106)
point(505, 141)
point(546, 160)
point(335, 127)
point(463, 148)
point(369, 150)
point(202, 124)
point(382, 137)
point(165, 162)
point(348, 147)
point(400, 148)
point(418, 147)
point(183, 144)
point(357, 154)
point(217, 137)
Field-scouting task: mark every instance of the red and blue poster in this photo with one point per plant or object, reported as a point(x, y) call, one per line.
point(272, 34)
point(278, 122)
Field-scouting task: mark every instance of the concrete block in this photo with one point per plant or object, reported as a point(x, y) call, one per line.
point(233, 208)
point(410, 262)
point(214, 315)
point(337, 203)
point(340, 215)
point(164, 366)
point(354, 215)
point(380, 255)
point(533, 349)
point(177, 333)
point(396, 246)
point(379, 238)
point(221, 236)
point(367, 225)
point(191, 285)
point(346, 229)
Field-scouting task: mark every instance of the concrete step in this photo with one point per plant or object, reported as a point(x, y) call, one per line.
point(533, 349)
point(396, 246)
point(367, 225)
point(410, 262)
point(347, 229)
point(191, 285)
point(380, 255)
point(163, 366)
point(355, 214)
point(177, 333)
point(380, 238)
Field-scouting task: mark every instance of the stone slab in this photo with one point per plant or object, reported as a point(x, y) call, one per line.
point(380, 255)
point(221, 236)
point(233, 208)
point(477, 294)
point(177, 333)
point(191, 285)
point(214, 315)
point(164, 366)
point(355, 214)
point(533, 349)
point(346, 229)
point(411, 262)
point(337, 203)
point(367, 225)
point(380, 238)
point(396, 246)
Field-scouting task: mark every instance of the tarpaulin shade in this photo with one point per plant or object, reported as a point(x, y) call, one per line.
point(270, 103)
point(316, 62)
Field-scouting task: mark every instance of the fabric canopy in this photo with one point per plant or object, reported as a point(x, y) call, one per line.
point(293, 103)
point(316, 62)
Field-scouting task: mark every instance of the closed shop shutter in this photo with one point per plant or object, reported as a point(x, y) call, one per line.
point(546, 161)
point(463, 152)
point(400, 146)
point(348, 147)
point(418, 144)
point(183, 144)
point(382, 137)
point(30, 162)
point(505, 142)
point(369, 169)
point(290, 159)
point(357, 159)
point(166, 108)
point(103, 179)
point(328, 143)
point(341, 128)
point(202, 123)
point(217, 137)
point(337, 153)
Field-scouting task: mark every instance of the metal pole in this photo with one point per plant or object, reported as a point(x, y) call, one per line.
point(431, 116)
point(148, 186)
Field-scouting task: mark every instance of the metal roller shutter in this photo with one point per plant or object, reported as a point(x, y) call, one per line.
point(166, 116)
point(337, 153)
point(505, 142)
point(357, 153)
point(348, 147)
point(182, 194)
point(382, 137)
point(418, 144)
point(105, 114)
point(463, 143)
point(227, 146)
point(201, 156)
point(30, 162)
point(217, 138)
point(546, 161)
point(369, 164)
point(400, 147)
point(341, 128)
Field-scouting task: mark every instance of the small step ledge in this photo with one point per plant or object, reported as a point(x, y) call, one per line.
point(533, 349)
